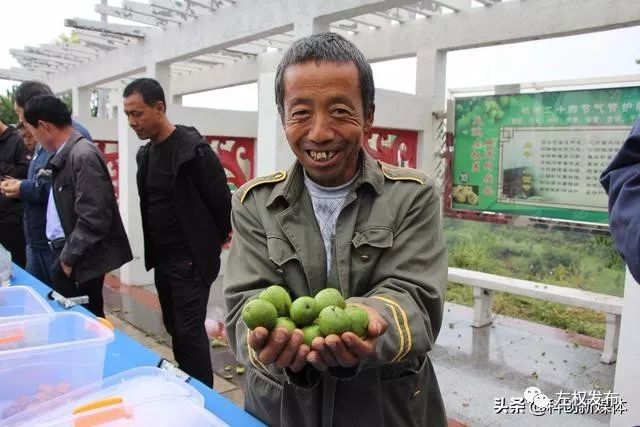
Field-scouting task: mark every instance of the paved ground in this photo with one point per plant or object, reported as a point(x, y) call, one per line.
point(474, 366)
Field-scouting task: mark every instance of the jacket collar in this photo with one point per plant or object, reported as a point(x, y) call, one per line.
point(58, 160)
point(291, 188)
point(185, 150)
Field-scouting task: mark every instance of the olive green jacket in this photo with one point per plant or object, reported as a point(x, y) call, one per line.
point(389, 254)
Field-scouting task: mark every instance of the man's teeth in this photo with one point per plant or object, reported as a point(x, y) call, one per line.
point(320, 156)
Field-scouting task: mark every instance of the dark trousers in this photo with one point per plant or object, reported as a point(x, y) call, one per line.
point(68, 287)
point(39, 263)
point(183, 296)
point(12, 238)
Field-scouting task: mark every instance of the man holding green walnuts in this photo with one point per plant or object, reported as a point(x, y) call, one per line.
point(358, 250)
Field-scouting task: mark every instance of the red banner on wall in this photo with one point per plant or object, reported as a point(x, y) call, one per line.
point(237, 156)
point(110, 151)
point(393, 146)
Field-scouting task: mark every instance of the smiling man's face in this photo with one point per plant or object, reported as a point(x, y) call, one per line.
point(324, 119)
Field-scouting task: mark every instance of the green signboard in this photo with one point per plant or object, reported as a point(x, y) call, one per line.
point(539, 154)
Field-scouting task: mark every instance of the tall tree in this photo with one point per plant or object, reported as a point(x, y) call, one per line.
point(7, 114)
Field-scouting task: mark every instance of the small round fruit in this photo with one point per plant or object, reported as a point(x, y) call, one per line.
point(304, 311)
point(259, 312)
point(329, 296)
point(310, 333)
point(359, 320)
point(333, 321)
point(286, 323)
point(279, 297)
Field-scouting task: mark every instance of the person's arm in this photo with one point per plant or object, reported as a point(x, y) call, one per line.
point(247, 273)
point(211, 182)
point(19, 164)
point(36, 191)
point(621, 181)
point(93, 205)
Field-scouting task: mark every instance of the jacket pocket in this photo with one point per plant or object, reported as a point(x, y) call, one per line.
point(368, 245)
point(263, 396)
point(281, 251)
point(411, 396)
point(286, 264)
point(377, 237)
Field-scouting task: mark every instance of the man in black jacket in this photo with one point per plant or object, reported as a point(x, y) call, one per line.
point(14, 162)
point(185, 204)
point(83, 227)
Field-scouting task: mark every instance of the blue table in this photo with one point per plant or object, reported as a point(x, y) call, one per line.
point(126, 353)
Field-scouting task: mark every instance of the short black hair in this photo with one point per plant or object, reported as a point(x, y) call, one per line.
point(327, 47)
point(148, 88)
point(47, 108)
point(27, 90)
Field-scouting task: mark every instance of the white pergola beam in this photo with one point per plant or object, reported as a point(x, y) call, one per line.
point(45, 58)
point(152, 12)
point(219, 57)
point(365, 23)
point(116, 38)
point(391, 17)
point(180, 8)
point(104, 27)
point(504, 19)
point(245, 51)
point(19, 75)
point(229, 26)
point(502, 23)
point(187, 66)
point(73, 47)
point(455, 5)
point(51, 50)
point(100, 41)
point(418, 11)
point(234, 51)
point(37, 66)
point(128, 15)
point(208, 61)
point(273, 40)
point(209, 5)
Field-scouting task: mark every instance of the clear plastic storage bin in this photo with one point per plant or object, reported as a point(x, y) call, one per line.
point(116, 399)
point(17, 301)
point(42, 357)
point(163, 411)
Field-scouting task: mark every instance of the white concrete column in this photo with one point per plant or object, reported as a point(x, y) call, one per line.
point(272, 150)
point(134, 272)
point(430, 83)
point(628, 363)
point(162, 73)
point(308, 25)
point(115, 99)
point(103, 102)
point(81, 101)
point(176, 99)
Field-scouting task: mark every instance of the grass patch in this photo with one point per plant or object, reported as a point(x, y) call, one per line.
point(563, 258)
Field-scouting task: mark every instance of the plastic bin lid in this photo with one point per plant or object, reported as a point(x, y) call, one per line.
point(17, 301)
point(63, 331)
point(164, 411)
point(131, 386)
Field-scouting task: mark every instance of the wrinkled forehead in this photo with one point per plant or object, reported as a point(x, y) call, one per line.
point(320, 78)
